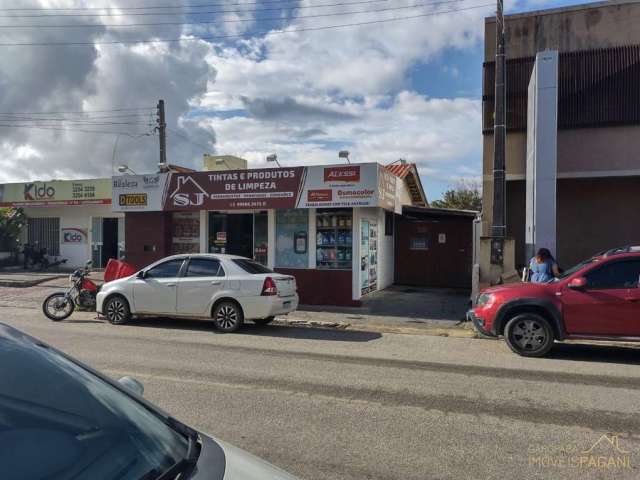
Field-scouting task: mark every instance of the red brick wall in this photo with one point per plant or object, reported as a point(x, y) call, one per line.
point(147, 237)
point(323, 287)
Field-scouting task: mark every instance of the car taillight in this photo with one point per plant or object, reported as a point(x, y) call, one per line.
point(269, 287)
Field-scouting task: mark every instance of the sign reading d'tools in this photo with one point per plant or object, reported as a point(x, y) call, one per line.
point(138, 193)
point(74, 235)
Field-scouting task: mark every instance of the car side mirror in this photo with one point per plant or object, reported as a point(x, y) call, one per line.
point(132, 384)
point(141, 274)
point(578, 283)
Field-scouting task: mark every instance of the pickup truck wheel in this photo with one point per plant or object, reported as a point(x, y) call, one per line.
point(263, 321)
point(228, 317)
point(529, 335)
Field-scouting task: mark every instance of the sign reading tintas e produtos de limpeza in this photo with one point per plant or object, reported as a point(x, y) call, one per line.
point(355, 185)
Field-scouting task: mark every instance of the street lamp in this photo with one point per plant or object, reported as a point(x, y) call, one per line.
point(125, 169)
point(344, 154)
point(273, 158)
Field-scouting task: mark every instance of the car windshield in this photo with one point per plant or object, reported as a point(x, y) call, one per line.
point(574, 269)
point(251, 266)
point(59, 421)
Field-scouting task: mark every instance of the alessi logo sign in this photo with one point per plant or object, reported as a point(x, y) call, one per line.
point(348, 173)
point(35, 191)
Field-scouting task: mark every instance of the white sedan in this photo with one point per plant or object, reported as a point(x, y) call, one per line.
point(226, 288)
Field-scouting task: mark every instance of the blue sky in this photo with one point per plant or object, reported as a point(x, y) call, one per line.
point(408, 89)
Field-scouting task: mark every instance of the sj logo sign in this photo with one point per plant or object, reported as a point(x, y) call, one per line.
point(74, 235)
point(39, 191)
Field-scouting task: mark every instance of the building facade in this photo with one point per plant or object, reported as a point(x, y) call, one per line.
point(331, 226)
point(598, 124)
point(72, 219)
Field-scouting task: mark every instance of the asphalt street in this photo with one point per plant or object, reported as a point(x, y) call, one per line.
point(346, 405)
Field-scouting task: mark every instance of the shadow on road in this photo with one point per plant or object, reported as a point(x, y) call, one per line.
point(596, 353)
point(252, 329)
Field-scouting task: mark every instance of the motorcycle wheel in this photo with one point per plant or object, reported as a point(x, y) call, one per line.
point(57, 306)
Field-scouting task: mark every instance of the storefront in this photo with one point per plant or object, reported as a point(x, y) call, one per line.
point(329, 226)
point(72, 219)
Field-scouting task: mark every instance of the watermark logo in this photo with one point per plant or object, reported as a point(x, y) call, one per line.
point(606, 453)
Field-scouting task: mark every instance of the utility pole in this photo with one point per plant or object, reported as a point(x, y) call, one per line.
point(162, 133)
point(498, 227)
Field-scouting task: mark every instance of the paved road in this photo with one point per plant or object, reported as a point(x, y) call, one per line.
point(355, 405)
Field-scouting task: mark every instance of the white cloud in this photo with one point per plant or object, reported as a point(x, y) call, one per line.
point(304, 95)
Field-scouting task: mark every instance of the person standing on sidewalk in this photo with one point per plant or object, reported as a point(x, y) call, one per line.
point(543, 267)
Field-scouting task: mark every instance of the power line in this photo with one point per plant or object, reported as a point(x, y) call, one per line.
point(144, 14)
point(235, 20)
point(243, 35)
point(128, 134)
point(82, 112)
point(149, 7)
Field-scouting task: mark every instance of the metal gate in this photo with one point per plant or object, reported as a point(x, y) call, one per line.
point(96, 242)
point(44, 233)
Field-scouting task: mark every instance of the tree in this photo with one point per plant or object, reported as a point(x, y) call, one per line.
point(12, 221)
point(464, 196)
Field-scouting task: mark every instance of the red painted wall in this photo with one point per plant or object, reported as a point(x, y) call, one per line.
point(323, 287)
point(147, 237)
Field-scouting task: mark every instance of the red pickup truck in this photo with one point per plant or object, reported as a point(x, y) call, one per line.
point(598, 299)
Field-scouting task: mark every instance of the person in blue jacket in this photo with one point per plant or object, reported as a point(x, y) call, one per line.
point(543, 267)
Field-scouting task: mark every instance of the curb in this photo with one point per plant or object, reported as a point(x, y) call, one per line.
point(28, 283)
point(457, 332)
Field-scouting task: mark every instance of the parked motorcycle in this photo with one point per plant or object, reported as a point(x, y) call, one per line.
point(81, 293)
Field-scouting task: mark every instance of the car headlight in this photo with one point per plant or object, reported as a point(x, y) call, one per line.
point(484, 299)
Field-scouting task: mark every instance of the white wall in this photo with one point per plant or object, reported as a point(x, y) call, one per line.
point(74, 216)
point(386, 252)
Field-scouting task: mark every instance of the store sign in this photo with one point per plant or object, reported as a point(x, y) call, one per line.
point(236, 189)
point(349, 174)
point(359, 185)
point(56, 192)
point(74, 235)
point(138, 193)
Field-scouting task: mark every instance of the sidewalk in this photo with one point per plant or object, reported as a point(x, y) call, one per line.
point(25, 278)
point(397, 309)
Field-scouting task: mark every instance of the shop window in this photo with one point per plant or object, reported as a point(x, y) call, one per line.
point(185, 227)
point(260, 237)
point(388, 224)
point(419, 243)
point(334, 239)
point(292, 238)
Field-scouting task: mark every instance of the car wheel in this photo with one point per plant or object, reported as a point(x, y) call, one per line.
point(529, 335)
point(116, 310)
point(263, 321)
point(228, 317)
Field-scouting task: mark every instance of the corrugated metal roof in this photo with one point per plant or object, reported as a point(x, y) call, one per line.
point(400, 169)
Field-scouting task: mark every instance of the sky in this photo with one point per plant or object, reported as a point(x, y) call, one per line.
point(259, 77)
